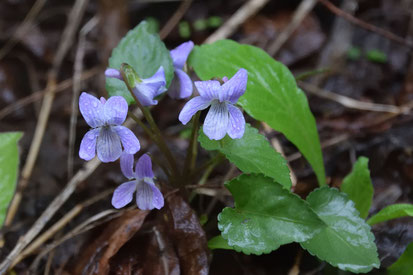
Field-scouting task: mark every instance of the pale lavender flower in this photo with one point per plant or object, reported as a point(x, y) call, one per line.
point(179, 56)
point(148, 195)
point(145, 89)
point(107, 135)
point(223, 117)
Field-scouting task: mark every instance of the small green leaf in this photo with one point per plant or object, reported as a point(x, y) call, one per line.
point(377, 56)
point(200, 24)
point(265, 216)
point(251, 154)
point(354, 53)
point(145, 52)
point(404, 265)
point(9, 162)
point(347, 242)
point(214, 21)
point(184, 29)
point(218, 242)
point(391, 212)
point(272, 94)
point(357, 185)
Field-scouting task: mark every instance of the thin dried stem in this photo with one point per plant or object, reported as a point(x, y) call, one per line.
point(176, 17)
point(389, 35)
point(66, 41)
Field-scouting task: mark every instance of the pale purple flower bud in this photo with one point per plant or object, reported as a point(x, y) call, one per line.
point(223, 117)
point(108, 135)
point(145, 89)
point(179, 56)
point(148, 196)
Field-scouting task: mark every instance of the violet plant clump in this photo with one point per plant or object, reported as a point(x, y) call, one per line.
point(266, 212)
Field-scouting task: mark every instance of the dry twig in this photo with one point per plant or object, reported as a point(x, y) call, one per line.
point(65, 84)
point(353, 103)
point(67, 38)
point(239, 17)
point(78, 68)
point(23, 28)
point(387, 34)
point(170, 25)
point(301, 12)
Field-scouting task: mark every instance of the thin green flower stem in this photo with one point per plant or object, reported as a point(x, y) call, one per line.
point(157, 137)
point(158, 163)
point(140, 123)
point(218, 158)
point(192, 147)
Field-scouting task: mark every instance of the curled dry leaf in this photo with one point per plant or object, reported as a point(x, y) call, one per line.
point(95, 258)
point(187, 236)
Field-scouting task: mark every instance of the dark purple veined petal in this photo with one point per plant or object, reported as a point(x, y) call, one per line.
point(180, 54)
point(236, 125)
point(209, 89)
point(216, 122)
point(129, 141)
point(113, 73)
point(123, 194)
point(235, 87)
point(115, 109)
point(108, 144)
point(148, 196)
point(126, 165)
point(87, 149)
point(191, 107)
point(143, 167)
point(91, 109)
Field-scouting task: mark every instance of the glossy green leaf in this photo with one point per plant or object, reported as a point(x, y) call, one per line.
point(272, 94)
point(251, 154)
point(218, 242)
point(404, 265)
point(145, 52)
point(347, 242)
point(265, 216)
point(391, 212)
point(357, 185)
point(9, 162)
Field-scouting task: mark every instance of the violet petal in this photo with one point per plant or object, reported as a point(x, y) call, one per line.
point(185, 86)
point(115, 109)
point(209, 89)
point(216, 121)
point(126, 165)
point(87, 149)
point(148, 196)
point(123, 194)
point(143, 167)
point(92, 110)
point(113, 73)
point(191, 107)
point(108, 144)
point(236, 125)
point(235, 87)
point(180, 54)
point(129, 141)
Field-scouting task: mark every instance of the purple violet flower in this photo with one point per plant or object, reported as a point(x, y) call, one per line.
point(148, 195)
point(179, 56)
point(223, 117)
point(145, 89)
point(107, 135)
